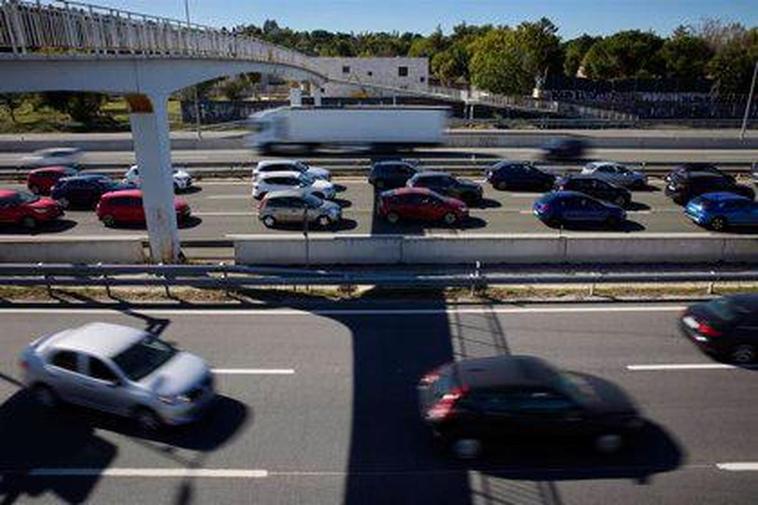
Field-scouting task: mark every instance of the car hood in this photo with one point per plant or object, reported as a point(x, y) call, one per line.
point(43, 203)
point(602, 396)
point(322, 184)
point(178, 375)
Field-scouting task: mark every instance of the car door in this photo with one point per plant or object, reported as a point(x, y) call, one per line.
point(740, 212)
point(544, 412)
point(64, 375)
point(746, 331)
point(601, 189)
point(492, 414)
point(135, 209)
point(295, 209)
point(102, 387)
point(570, 209)
point(593, 211)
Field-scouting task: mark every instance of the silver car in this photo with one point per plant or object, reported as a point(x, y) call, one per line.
point(120, 370)
point(616, 173)
point(278, 165)
point(294, 206)
point(268, 182)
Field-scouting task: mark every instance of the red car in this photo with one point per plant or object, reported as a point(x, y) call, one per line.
point(125, 207)
point(41, 180)
point(421, 204)
point(26, 209)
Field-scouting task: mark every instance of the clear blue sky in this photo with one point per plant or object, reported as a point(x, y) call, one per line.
point(572, 16)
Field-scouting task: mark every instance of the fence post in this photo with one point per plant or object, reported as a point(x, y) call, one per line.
point(226, 278)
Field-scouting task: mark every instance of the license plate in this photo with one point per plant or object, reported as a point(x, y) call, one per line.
point(690, 322)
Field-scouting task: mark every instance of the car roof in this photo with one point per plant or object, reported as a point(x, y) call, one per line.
point(584, 177)
point(424, 175)
point(280, 173)
point(98, 339)
point(52, 167)
point(263, 163)
point(410, 191)
point(136, 193)
point(287, 193)
point(49, 150)
point(381, 163)
point(722, 196)
point(86, 177)
point(506, 371)
point(566, 194)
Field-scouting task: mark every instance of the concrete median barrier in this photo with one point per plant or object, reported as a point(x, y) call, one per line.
point(517, 249)
point(79, 250)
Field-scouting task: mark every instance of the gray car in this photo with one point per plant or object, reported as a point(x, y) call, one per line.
point(119, 370)
point(294, 206)
point(616, 173)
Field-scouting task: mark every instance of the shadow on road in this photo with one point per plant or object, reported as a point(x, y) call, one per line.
point(56, 226)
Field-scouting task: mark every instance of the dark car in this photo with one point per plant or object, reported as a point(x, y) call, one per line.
point(596, 188)
point(686, 168)
point(684, 187)
point(568, 207)
point(445, 184)
point(564, 149)
point(85, 190)
point(521, 176)
point(726, 327)
point(41, 180)
point(420, 204)
point(391, 174)
point(475, 401)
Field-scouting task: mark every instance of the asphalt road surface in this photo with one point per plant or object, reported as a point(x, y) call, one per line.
point(223, 208)
point(318, 407)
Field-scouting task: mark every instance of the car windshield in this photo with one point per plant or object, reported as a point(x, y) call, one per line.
point(313, 201)
point(144, 357)
point(306, 179)
point(26, 197)
point(725, 309)
point(575, 387)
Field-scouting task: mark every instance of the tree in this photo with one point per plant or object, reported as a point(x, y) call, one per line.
point(732, 66)
point(81, 107)
point(451, 65)
point(718, 34)
point(574, 52)
point(540, 47)
point(624, 55)
point(428, 46)
point(685, 56)
point(10, 102)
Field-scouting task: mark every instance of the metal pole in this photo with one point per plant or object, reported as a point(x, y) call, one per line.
point(194, 88)
point(307, 243)
point(749, 102)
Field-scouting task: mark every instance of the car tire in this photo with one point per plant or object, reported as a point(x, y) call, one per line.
point(393, 217)
point(450, 218)
point(29, 222)
point(501, 185)
point(109, 221)
point(466, 448)
point(608, 443)
point(45, 396)
point(324, 221)
point(147, 420)
point(621, 201)
point(719, 223)
point(744, 353)
point(64, 203)
point(269, 221)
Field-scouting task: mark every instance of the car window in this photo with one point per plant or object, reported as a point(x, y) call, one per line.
point(101, 371)
point(540, 401)
point(144, 357)
point(275, 202)
point(296, 203)
point(493, 401)
point(134, 201)
point(414, 199)
point(67, 360)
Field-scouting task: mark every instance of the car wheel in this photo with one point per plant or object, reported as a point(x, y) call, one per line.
point(744, 353)
point(147, 419)
point(64, 203)
point(620, 201)
point(608, 443)
point(45, 396)
point(393, 217)
point(718, 223)
point(109, 221)
point(450, 218)
point(324, 222)
point(502, 185)
point(466, 448)
point(269, 221)
point(29, 222)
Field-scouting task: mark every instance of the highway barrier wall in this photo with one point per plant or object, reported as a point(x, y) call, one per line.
point(80, 250)
point(502, 249)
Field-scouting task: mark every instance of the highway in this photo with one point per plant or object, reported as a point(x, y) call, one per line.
point(318, 407)
point(225, 207)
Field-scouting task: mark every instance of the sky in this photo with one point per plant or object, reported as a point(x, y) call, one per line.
point(573, 17)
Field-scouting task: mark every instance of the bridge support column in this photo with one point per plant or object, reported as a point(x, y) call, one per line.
point(152, 148)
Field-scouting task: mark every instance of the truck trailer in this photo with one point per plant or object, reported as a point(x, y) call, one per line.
point(379, 128)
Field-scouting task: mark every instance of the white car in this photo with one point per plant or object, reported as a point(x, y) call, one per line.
point(616, 173)
point(53, 156)
point(266, 166)
point(265, 183)
point(182, 178)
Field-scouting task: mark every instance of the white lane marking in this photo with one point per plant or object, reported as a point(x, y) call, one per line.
point(738, 466)
point(253, 371)
point(149, 472)
point(355, 312)
point(685, 366)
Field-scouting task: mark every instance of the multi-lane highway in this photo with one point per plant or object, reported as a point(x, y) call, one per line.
point(318, 407)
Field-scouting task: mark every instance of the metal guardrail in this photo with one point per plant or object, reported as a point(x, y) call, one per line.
point(229, 277)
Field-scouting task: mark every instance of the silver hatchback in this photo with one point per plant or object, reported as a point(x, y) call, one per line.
point(295, 206)
point(120, 370)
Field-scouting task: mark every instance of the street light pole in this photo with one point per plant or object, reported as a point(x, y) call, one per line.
point(194, 88)
point(749, 103)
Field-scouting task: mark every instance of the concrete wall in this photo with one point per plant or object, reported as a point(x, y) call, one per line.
point(119, 250)
point(373, 70)
point(522, 249)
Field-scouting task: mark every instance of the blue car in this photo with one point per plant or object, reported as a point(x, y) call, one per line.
point(719, 211)
point(84, 190)
point(570, 207)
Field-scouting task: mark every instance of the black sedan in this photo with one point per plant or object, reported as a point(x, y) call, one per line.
point(564, 149)
point(445, 184)
point(85, 190)
point(476, 401)
point(725, 327)
point(595, 187)
point(519, 176)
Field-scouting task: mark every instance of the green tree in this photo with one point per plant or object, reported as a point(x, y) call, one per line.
point(685, 56)
point(732, 66)
point(626, 54)
point(10, 102)
point(428, 46)
point(451, 65)
point(81, 107)
point(574, 52)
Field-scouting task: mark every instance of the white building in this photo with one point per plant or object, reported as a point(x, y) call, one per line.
point(402, 73)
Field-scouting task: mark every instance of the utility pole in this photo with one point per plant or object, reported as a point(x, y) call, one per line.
point(749, 103)
point(194, 88)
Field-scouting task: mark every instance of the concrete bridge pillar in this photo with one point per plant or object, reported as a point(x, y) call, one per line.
point(152, 147)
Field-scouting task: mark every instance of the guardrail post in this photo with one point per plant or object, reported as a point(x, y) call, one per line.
point(711, 283)
point(47, 282)
point(225, 275)
point(106, 281)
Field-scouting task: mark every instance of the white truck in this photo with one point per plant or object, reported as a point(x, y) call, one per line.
point(379, 128)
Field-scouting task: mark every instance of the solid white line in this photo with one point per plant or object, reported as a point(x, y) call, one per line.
point(253, 371)
point(683, 366)
point(149, 472)
point(738, 467)
point(356, 312)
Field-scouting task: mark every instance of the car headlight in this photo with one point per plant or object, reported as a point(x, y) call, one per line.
point(174, 399)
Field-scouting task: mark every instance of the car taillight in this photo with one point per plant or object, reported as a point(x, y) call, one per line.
point(707, 330)
point(431, 377)
point(444, 406)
